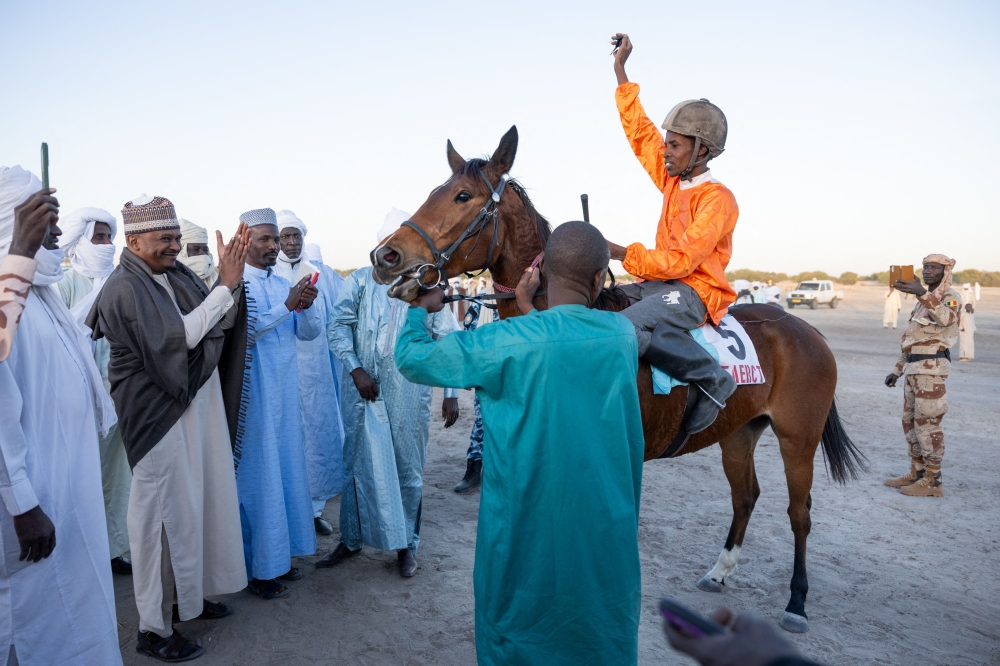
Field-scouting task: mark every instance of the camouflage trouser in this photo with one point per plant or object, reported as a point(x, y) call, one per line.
point(924, 405)
point(475, 451)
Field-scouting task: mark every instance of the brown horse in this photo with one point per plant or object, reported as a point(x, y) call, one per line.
point(797, 401)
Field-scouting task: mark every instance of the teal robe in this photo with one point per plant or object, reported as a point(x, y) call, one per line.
point(557, 578)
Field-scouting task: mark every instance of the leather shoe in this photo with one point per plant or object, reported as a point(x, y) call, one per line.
point(473, 477)
point(323, 526)
point(121, 565)
point(339, 554)
point(407, 563)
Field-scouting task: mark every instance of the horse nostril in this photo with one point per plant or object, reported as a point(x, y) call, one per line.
point(387, 256)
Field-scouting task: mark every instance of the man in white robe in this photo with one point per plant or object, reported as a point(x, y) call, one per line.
point(166, 341)
point(196, 253)
point(88, 241)
point(56, 596)
point(386, 419)
point(319, 371)
point(890, 314)
point(967, 323)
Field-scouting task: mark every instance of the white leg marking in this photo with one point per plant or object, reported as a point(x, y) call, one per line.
point(726, 564)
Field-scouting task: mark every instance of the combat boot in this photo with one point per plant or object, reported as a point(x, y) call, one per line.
point(473, 476)
point(916, 473)
point(927, 486)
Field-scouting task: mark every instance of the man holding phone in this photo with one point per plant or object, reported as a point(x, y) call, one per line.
point(926, 362)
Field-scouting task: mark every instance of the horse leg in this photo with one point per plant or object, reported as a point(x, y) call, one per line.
point(798, 461)
point(737, 462)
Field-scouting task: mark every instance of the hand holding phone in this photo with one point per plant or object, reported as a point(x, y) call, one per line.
point(688, 621)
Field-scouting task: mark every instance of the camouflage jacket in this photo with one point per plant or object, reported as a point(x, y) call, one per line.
point(933, 327)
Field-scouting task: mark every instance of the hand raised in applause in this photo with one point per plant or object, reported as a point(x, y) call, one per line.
point(232, 257)
point(32, 220)
point(301, 295)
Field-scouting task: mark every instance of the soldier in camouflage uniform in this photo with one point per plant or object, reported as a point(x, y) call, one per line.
point(926, 361)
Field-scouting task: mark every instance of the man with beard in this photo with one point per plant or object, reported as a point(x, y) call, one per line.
point(271, 473)
point(56, 594)
point(88, 240)
point(166, 335)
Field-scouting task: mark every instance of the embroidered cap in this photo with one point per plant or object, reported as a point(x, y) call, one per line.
point(144, 214)
point(259, 216)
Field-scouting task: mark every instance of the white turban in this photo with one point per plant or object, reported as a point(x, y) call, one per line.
point(287, 218)
point(79, 225)
point(191, 233)
point(313, 253)
point(16, 185)
point(393, 220)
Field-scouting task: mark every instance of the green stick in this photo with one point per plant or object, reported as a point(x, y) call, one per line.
point(45, 166)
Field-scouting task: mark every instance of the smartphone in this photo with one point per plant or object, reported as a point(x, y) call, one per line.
point(688, 621)
point(618, 43)
point(900, 273)
point(45, 166)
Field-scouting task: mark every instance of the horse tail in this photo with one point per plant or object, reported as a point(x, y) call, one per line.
point(843, 460)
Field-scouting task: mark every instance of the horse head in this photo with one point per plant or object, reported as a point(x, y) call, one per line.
point(417, 254)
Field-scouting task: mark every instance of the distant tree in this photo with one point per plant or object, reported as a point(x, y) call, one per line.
point(848, 278)
point(751, 275)
point(812, 275)
point(973, 275)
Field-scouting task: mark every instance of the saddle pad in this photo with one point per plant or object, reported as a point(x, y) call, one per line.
point(729, 344)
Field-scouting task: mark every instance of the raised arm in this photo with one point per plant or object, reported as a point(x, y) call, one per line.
point(641, 132)
point(714, 217)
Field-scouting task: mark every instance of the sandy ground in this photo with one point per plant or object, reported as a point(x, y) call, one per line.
point(892, 579)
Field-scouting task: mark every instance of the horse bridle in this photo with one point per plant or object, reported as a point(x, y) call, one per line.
point(486, 214)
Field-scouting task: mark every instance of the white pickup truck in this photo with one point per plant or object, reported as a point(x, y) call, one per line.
point(814, 293)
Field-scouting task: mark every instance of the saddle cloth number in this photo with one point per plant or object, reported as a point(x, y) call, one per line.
point(729, 344)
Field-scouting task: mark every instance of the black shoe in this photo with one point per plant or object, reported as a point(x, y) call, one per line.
point(473, 476)
point(172, 649)
point(210, 610)
point(121, 565)
point(339, 554)
point(407, 563)
point(323, 527)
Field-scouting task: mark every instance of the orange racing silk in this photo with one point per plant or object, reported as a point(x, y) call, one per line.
point(694, 239)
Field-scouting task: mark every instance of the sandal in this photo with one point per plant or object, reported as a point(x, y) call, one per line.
point(212, 610)
point(173, 649)
point(267, 589)
point(293, 574)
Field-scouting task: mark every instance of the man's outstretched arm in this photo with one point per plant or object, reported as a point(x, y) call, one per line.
point(463, 359)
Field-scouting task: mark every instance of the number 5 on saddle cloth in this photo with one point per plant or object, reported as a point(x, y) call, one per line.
point(668, 319)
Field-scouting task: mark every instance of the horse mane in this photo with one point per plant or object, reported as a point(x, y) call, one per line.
point(542, 227)
point(611, 299)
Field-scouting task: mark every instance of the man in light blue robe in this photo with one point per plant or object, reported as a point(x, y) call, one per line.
point(386, 422)
point(272, 478)
point(319, 372)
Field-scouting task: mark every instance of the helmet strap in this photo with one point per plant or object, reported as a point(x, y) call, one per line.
point(694, 161)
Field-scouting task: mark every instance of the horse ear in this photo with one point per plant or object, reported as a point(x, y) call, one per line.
point(503, 159)
point(455, 161)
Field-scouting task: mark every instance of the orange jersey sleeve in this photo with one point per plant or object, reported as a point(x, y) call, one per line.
point(642, 133)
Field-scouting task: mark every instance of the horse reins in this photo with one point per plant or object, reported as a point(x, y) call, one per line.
point(488, 213)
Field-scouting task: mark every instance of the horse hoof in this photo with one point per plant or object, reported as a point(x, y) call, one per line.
point(706, 584)
point(793, 623)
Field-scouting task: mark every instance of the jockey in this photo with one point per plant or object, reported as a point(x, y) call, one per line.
point(683, 279)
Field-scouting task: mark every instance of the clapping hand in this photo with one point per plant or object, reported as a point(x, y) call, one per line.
point(233, 256)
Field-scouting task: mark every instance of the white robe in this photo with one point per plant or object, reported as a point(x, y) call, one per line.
point(60, 610)
point(967, 328)
point(890, 315)
point(183, 515)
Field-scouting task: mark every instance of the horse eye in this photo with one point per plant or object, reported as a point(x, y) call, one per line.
point(462, 197)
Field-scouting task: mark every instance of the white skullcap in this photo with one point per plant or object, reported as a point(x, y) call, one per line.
point(287, 218)
point(313, 253)
point(16, 185)
point(79, 225)
point(393, 220)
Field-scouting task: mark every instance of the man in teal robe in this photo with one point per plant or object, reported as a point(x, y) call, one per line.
point(557, 578)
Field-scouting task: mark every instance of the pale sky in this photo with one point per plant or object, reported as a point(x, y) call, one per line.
point(862, 134)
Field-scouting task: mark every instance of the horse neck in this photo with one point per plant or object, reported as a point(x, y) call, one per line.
point(521, 243)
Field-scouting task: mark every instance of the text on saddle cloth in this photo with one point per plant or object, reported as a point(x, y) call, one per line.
point(729, 344)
